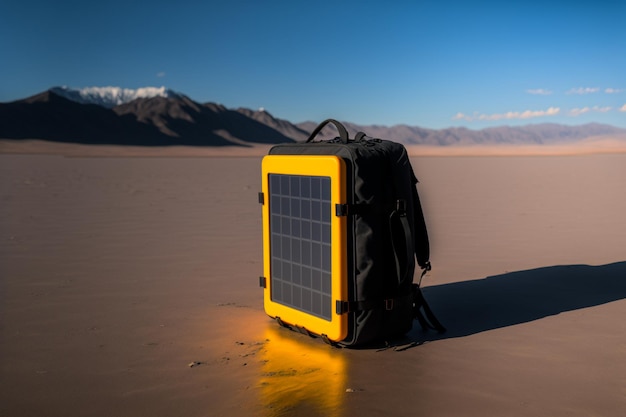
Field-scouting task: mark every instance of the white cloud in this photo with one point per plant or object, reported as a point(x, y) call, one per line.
point(160, 74)
point(613, 90)
point(462, 116)
point(528, 114)
point(539, 92)
point(623, 108)
point(578, 111)
point(583, 90)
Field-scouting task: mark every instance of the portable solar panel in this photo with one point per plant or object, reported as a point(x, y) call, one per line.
point(304, 242)
point(343, 231)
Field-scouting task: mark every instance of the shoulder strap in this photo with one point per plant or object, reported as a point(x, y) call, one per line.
point(343, 133)
point(401, 242)
point(422, 244)
point(422, 252)
point(428, 319)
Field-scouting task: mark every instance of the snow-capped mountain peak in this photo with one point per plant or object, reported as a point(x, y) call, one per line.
point(112, 96)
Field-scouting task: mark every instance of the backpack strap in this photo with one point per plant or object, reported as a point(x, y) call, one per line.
point(401, 242)
point(343, 307)
point(422, 252)
point(422, 244)
point(428, 319)
point(343, 133)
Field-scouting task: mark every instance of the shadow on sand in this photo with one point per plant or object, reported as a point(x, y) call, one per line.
point(470, 307)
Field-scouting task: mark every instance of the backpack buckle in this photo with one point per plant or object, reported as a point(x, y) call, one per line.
point(401, 207)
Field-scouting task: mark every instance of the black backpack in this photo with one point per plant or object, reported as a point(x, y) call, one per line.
point(386, 235)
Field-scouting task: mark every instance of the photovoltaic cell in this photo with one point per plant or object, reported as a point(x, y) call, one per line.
point(300, 242)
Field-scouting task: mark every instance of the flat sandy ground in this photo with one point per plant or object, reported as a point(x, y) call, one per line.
point(118, 273)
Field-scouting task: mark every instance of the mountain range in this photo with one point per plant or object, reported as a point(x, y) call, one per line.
point(160, 117)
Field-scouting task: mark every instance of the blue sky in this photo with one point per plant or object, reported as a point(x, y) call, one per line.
point(433, 64)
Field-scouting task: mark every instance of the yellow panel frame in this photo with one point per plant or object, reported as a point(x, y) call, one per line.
point(310, 165)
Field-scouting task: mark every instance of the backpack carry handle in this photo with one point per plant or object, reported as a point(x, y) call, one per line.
point(343, 133)
point(402, 243)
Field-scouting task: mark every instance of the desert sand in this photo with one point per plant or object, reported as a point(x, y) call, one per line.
point(129, 287)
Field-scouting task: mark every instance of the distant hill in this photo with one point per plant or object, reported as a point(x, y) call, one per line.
point(540, 134)
point(112, 96)
point(144, 121)
point(160, 117)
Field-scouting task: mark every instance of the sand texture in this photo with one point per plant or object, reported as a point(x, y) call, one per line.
point(129, 287)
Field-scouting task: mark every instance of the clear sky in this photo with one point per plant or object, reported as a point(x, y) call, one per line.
point(433, 64)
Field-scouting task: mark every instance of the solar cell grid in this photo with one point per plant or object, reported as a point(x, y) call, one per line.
point(300, 242)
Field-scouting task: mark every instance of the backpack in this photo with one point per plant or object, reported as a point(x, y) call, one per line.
point(343, 229)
